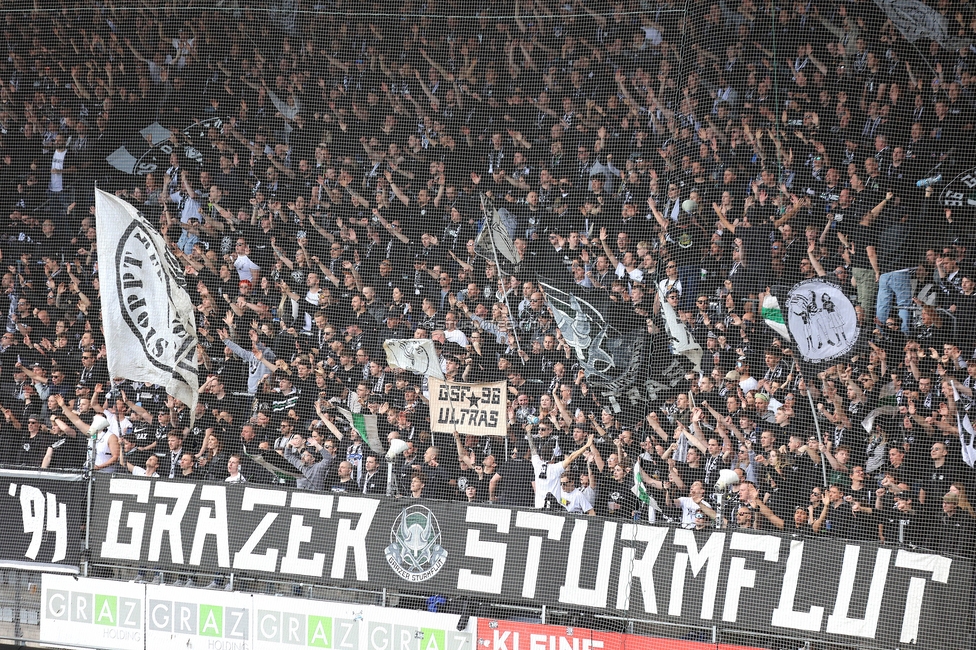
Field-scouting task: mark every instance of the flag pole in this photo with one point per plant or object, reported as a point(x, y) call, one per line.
point(488, 223)
point(816, 423)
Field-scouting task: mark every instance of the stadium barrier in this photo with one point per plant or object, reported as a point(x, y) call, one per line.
point(753, 582)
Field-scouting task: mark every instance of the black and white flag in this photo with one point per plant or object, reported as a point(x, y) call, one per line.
point(495, 241)
point(821, 320)
point(613, 349)
point(915, 20)
point(150, 334)
point(817, 319)
point(415, 355)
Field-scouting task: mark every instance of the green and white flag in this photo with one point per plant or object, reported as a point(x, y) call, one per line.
point(773, 317)
point(365, 425)
point(640, 490)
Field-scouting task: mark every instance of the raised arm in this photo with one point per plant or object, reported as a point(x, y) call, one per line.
point(568, 460)
point(767, 512)
point(386, 224)
point(606, 249)
point(463, 453)
point(819, 522)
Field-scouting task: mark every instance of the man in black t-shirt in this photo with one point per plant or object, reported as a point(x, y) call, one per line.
point(512, 483)
point(65, 451)
point(938, 475)
point(34, 443)
point(840, 518)
point(686, 242)
point(806, 474)
point(614, 495)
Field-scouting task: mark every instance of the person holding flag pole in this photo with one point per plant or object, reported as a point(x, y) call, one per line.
point(641, 481)
point(779, 322)
point(147, 314)
point(494, 225)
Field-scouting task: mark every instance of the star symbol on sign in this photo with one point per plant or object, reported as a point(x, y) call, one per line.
point(473, 399)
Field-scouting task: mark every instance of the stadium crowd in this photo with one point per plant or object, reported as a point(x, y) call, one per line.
point(693, 153)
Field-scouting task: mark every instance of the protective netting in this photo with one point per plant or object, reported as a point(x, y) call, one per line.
point(701, 265)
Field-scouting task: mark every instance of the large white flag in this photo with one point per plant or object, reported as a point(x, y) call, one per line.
point(147, 314)
point(415, 355)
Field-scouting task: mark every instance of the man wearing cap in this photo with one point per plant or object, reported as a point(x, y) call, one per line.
point(730, 385)
point(763, 413)
point(396, 327)
point(747, 382)
point(802, 526)
point(712, 358)
point(285, 396)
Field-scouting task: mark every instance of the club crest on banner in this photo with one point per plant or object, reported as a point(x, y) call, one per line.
point(415, 552)
point(415, 355)
point(821, 320)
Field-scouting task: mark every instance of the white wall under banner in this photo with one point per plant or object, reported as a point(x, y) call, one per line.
point(83, 612)
point(124, 616)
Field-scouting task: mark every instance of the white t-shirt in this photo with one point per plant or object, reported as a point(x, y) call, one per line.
point(666, 285)
point(456, 336)
point(57, 164)
point(546, 480)
point(245, 267)
point(236, 479)
point(749, 384)
point(103, 452)
point(141, 471)
point(635, 276)
point(575, 501)
point(688, 510)
point(191, 207)
point(117, 427)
